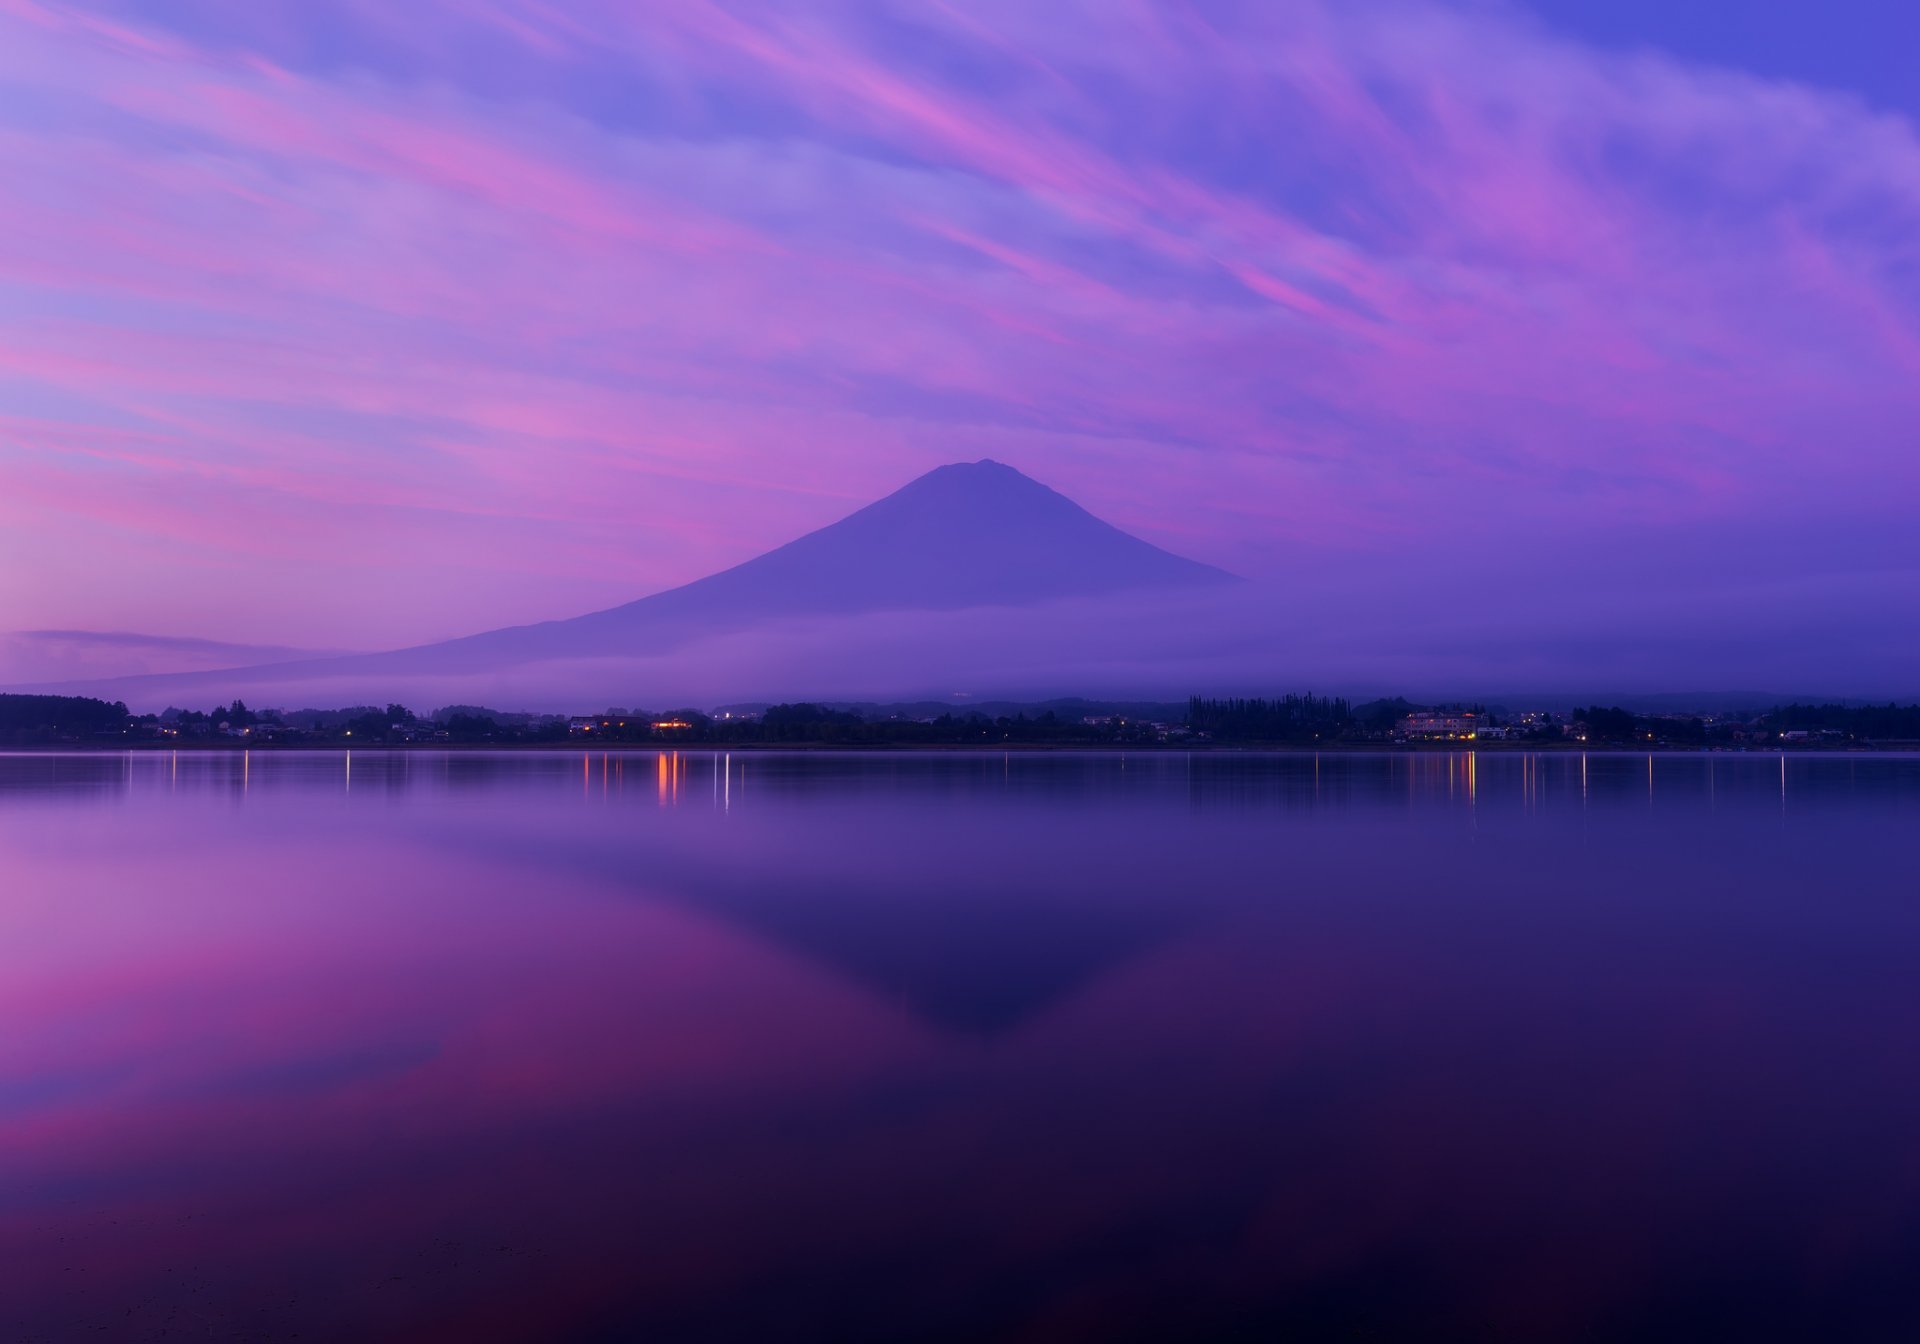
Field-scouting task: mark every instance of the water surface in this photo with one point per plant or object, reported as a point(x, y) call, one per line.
point(959, 1046)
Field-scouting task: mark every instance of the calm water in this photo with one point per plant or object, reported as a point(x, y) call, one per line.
point(917, 1047)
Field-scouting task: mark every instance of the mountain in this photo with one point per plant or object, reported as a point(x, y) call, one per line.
point(966, 535)
point(974, 537)
point(972, 534)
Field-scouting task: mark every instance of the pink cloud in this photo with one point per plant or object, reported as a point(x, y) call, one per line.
point(1371, 266)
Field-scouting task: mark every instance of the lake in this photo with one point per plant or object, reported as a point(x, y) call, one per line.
point(684, 1046)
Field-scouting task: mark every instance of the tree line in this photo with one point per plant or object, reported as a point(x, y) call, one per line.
point(1290, 718)
point(60, 718)
point(43, 719)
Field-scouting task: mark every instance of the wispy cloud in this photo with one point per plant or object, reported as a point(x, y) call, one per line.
point(50, 656)
point(462, 313)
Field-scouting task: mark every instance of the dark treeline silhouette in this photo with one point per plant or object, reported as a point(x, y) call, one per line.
point(29, 720)
point(57, 718)
point(236, 715)
point(1291, 718)
point(1612, 724)
point(812, 723)
point(1783, 723)
point(468, 727)
point(1881, 723)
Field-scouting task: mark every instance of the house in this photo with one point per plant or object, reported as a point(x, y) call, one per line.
point(1440, 725)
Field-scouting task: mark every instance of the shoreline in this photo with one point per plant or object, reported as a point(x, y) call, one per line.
point(975, 748)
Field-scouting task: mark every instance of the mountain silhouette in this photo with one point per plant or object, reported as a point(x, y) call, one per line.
point(972, 534)
point(960, 563)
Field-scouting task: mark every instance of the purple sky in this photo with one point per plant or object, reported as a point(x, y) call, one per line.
point(360, 324)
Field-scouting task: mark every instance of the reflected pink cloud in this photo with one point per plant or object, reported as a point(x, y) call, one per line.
point(438, 1041)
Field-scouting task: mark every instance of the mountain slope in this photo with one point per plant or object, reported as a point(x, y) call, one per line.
point(972, 534)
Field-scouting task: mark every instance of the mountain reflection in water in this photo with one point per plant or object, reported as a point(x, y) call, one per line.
point(959, 1046)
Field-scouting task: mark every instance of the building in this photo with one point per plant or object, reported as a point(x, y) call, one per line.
point(1440, 725)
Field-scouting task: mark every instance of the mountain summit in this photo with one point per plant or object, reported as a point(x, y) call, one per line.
point(970, 534)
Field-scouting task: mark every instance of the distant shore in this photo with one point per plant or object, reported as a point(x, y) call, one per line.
point(201, 747)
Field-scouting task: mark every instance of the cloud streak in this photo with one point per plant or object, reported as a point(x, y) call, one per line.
point(479, 312)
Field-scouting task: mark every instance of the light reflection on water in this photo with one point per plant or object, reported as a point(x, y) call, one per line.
point(958, 1045)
